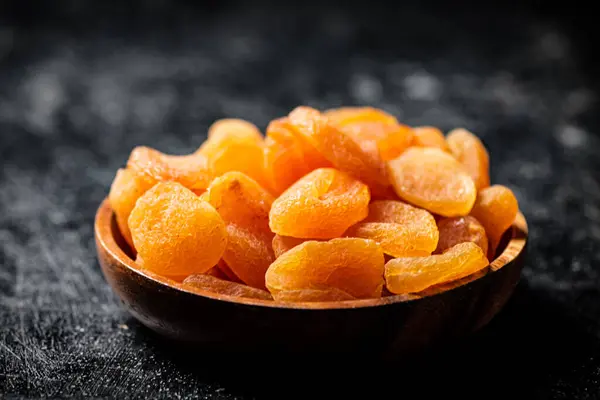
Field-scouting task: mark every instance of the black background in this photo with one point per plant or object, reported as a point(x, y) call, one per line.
point(82, 82)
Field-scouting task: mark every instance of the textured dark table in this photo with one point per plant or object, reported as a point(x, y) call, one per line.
point(79, 87)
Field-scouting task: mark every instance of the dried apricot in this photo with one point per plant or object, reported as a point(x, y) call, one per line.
point(216, 272)
point(175, 232)
point(415, 274)
point(354, 266)
point(285, 158)
point(221, 286)
point(400, 229)
point(496, 209)
point(457, 230)
point(235, 145)
point(470, 152)
point(229, 274)
point(378, 133)
point(321, 205)
point(338, 148)
point(350, 115)
point(235, 127)
point(192, 171)
point(126, 188)
point(244, 205)
point(281, 244)
point(310, 295)
point(432, 179)
point(429, 136)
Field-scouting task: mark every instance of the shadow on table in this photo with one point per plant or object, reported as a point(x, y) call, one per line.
point(531, 341)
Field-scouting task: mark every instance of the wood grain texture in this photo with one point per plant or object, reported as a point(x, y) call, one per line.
point(389, 326)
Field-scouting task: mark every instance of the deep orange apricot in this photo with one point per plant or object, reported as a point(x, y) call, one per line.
point(457, 230)
point(175, 232)
point(354, 266)
point(339, 148)
point(286, 158)
point(244, 205)
point(470, 152)
point(321, 205)
point(429, 136)
point(415, 274)
point(432, 179)
point(235, 145)
point(125, 189)
point(400, 229)
point(496, 209)
point(192, 171)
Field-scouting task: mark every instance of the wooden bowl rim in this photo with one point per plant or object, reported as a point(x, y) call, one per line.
point(104, 237)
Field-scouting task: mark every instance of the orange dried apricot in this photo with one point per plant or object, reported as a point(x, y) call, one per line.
point(221, 286)
point(229, 274)
point(244, 205)
point(496, 209)
point(175, 232)
point(378, 133)
point(125, 189)
point(310, 295)
point(457, 230)
point(429, 136)
point(235, 145)
point(350, 115)
point(192, 171)
point(415, 274)
point(321, 205)
point(281, 244)
point(338, 148)
point(432, 179)
point(235, 127)
point(470, 152)
point(286, 159)
point(354, 266)
point(400, 229)
point(216, 272)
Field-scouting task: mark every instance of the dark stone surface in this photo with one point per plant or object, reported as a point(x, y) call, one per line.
point(82, 84)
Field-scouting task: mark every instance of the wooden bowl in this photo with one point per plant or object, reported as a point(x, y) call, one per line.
point(390, 325)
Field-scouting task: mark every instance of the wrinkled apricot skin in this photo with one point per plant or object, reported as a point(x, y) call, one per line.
point(126, 188)
point(175, 232)
point(321, 205)
point(220, 286)
point(459, 230)
point(338, 148)
point(285, 157)
point(312, 295)
point(192, 171)
point(378, 133)
point(235, 145)
point(400, 229)
point(470, 152)
point(281, 244)
point(244, 206)
point(429, 136)
point(496, 209)
point(414, 274)
point(354, 266)
point(432, 179)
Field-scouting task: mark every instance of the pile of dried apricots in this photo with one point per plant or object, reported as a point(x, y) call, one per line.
point(328, 206)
